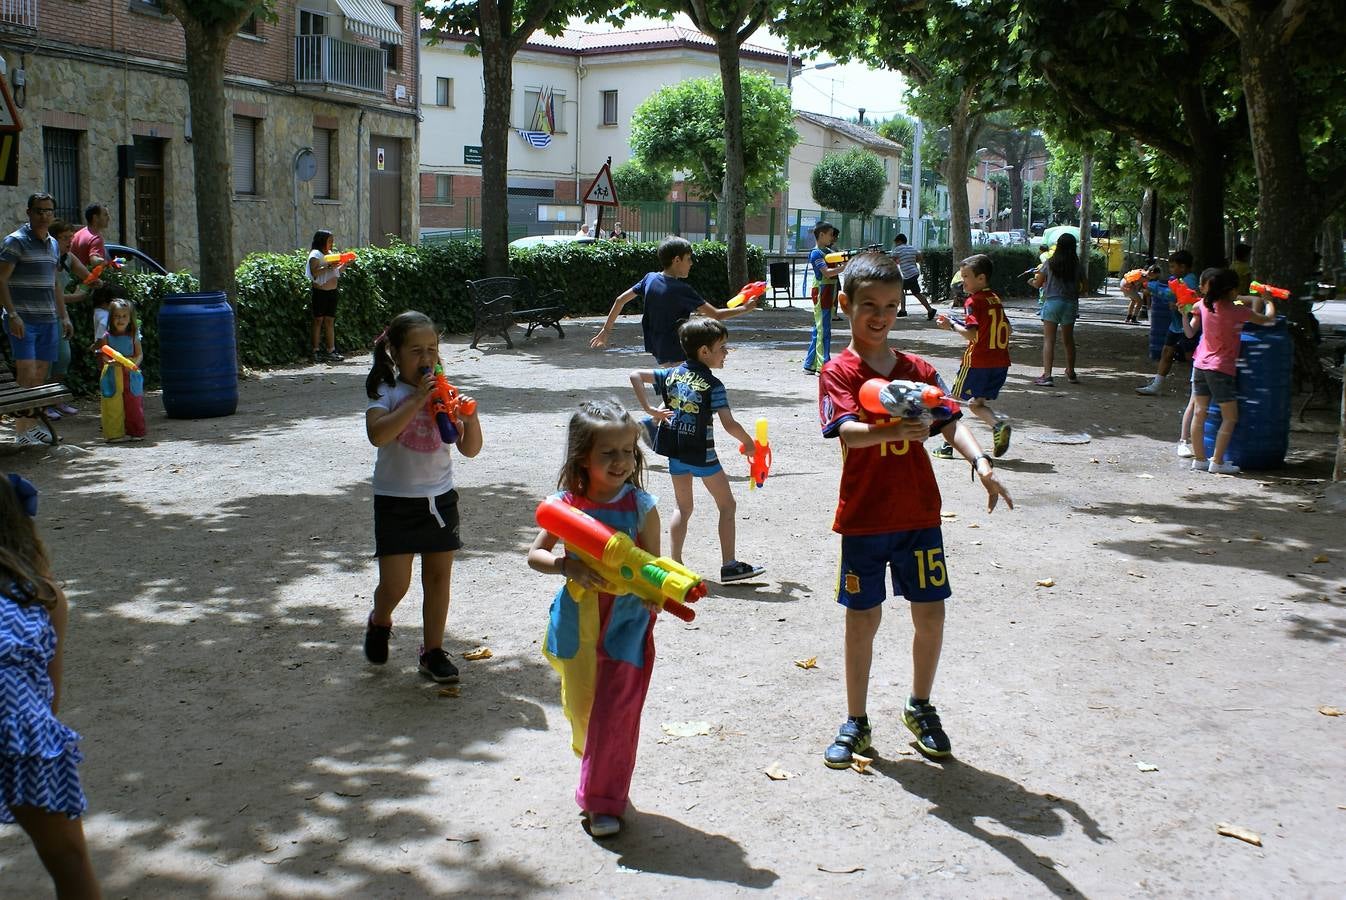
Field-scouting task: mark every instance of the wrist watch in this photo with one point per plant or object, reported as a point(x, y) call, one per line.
point(978, 458)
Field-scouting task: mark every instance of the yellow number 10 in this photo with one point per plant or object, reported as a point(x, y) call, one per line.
point(930, 571)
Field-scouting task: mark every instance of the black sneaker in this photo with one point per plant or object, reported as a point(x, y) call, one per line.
point(376, 642)
point(924, 723)
point(850, 739)
point(901, 313)
point(930, 314)
point(944, 452)
point(1000, 437)
point(738, 571)
point(320, 356)
point(333, 356)
point(435, 664)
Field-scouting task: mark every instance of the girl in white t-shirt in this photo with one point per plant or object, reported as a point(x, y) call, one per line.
point(322, 277)
point(415, 505)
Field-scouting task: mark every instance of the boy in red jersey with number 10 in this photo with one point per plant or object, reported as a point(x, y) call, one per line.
point(888, 505)
point(986, 360)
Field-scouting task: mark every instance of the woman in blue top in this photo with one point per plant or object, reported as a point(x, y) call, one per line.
point(1059, 279)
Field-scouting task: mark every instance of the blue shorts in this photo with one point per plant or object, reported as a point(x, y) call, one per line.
point(984, 384)
point(678, 467)
point(41, 340)
point(917, 560)
point(1062, 312)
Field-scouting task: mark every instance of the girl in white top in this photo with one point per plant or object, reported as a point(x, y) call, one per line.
point(322, 277)
point(415, 505)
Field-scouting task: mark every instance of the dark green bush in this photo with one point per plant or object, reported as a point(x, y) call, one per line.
point(1010, 262)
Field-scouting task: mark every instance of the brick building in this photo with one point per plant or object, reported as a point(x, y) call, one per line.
point(336, 77)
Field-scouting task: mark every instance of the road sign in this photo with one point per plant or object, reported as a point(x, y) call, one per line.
point(602, 192)
point(9, 113)
point(471, 154)
point(9, 159)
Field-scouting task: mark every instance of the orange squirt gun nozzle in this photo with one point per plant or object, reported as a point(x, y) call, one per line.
point(1187, 298)
point(750, 290)
point(339, 259)
point(626, 568)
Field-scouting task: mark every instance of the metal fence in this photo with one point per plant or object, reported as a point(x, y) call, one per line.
point(323, 59)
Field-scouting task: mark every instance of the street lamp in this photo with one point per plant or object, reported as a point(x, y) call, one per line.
point(785, 191)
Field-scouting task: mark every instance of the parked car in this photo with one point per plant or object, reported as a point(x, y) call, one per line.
point(137, 261)
point(1017, 236)
point(979, 237)
point(541, 240)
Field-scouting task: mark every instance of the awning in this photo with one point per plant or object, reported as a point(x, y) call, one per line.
point(371, 19)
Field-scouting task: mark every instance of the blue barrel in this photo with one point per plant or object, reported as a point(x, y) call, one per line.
point(197, 359)
point(1265, 377)
point(1160, 317)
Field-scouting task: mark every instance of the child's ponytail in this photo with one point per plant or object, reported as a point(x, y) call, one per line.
point(386, 346)
point(1219, 283)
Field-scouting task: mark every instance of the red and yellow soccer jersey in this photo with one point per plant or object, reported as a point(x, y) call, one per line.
point(991, 348)
point(887, 487)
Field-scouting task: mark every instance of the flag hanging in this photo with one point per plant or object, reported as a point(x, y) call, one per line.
point(539, 139)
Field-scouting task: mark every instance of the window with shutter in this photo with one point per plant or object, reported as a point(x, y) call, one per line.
point(245, 156)
point(444, 92)
point(609, 107)
point(324, 140)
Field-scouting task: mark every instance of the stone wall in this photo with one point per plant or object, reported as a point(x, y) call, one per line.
point(111, 103)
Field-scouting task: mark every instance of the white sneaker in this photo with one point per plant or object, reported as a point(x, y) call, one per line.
point(1224, 468)
point(1200, 465)
point(1152, 389)
point(33, 437)
point(601, 825)
point(1184, 450)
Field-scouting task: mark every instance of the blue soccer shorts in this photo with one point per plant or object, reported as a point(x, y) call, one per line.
point(915, 557)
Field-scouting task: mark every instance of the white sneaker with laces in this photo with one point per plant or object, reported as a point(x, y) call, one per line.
point(1152, 389)
point(1200, 465)
point(1184, 450)
point(33, 437)
point(1223, 468)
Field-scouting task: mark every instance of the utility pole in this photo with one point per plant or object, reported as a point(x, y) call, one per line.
point(916, 241)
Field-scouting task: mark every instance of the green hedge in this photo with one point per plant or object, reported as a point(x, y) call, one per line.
point(1010, 262)
point(275, 325)
point(146, 292)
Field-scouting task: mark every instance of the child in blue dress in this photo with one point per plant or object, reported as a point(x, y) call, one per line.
point(39, 757)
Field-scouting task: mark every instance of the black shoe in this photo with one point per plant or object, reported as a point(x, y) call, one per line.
point(320, 356)
point(435, 664)
point(739, 571)
point(334, 357)
point(850, 740)
point(901, 313)
point(930, 314)
point(943, 452)
point(924, 723)
point(376, 642)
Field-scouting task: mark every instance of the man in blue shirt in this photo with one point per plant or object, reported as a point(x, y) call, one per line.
point(32, 307)
point(669, 301)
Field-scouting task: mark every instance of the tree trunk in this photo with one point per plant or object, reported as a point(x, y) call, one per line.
point(497, 78)
point(1205, 205)
point(734, 196)
point(1016, 185)
point(1148, 238)
point(955, 176)
point(211, 157)
point(1086, 214)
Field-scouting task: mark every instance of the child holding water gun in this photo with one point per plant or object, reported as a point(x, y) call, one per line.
point(39, 756)
point(323, 276)
point(415, 504)
point(123, 388)
point(986, 361)
point(1220, 320)
point(601, 645)
point(1165, 316)
point(824, 297)
point(686, 435)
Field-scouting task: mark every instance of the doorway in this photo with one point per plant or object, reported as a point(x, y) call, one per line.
point(385, 189)
point(149, 198)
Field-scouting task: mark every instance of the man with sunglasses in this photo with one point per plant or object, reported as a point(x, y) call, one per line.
point(32, 307)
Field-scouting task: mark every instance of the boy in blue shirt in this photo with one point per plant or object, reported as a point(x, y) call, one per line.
point(1164, 311)
point(824, 298)
point(692, 396)
point(669, 301)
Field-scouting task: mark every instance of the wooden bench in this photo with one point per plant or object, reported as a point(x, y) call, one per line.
point(498, 303)
point(16, 399)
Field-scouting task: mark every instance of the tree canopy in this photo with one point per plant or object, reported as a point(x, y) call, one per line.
point(635, 182)
point(851, 181)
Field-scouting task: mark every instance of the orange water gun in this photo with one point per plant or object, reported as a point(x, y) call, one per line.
point(1266, 290)
point(339, 259)
point(97, 271)
point(1187, 298)
point(447, 407)
point(750, 290)
point(759, 463)
point(1133, 277)
point(626, 568)
point(114, 357)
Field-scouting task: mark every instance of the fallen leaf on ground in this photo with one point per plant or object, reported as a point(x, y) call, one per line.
point(1238, 831)
point(973, 525)
point(1321, 558)
point(860, 763)
point(1205, 552)
point(458, 840)
point(1257, 536)
point(479, 653)
point(1046, 582)
point(685, 729)
point(1147, 767)
point(810, 663)
point(832, 871)
point(1142, 520)
point(450, 691)
point(996, 564)
point(776, 773)
point(948, 514)
point(1144, 475)
point(1329, 710)
point(1137, 575)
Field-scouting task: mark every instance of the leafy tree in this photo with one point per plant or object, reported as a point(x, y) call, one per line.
point(209, 27)
point(635, 183)
point(899, 130)
point(682, 126)
point(1017, 146)
point(851, 181)
point(497, 29)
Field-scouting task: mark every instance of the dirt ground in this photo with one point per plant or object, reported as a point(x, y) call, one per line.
point(237, 744)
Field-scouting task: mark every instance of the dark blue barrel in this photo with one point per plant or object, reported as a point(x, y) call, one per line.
point(1160, 317)
point(1265, 376)
point(197, 359)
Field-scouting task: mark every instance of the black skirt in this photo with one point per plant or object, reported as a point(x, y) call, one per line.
point(410, 524)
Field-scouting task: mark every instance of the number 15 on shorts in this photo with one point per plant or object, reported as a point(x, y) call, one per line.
point(930, 570)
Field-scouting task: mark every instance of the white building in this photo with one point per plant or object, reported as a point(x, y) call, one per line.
point(819, 135)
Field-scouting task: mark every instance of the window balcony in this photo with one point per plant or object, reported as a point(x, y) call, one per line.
point(18, 15)
point(323, 60)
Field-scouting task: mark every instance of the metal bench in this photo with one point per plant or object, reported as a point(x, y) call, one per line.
point(16, 399)
point(498, 303)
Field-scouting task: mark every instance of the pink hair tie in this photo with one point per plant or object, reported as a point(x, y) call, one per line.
point(383, 336)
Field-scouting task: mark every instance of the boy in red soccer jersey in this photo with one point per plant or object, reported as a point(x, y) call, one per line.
point(986, 361)
point(888, 506)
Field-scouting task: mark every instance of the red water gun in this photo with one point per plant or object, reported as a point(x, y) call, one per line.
point(1265, 290)
point(906, 399)
point(447, 406)
point(97, 270)
point(339, 259)
point(1187, 298)
point(626, 568)
point(759, 463)
point(750, 290)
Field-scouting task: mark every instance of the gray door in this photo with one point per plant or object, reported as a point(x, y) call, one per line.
point(385, 189)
